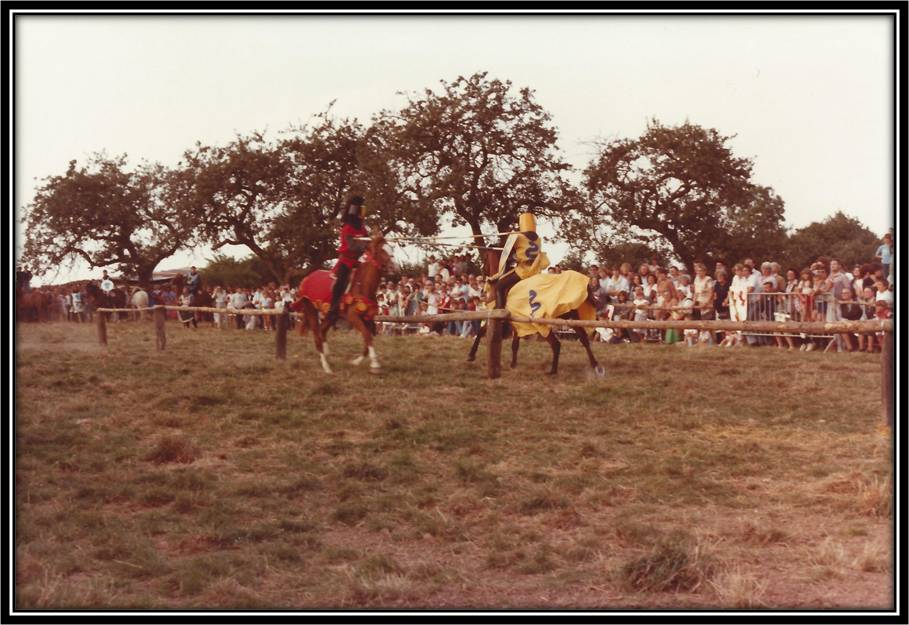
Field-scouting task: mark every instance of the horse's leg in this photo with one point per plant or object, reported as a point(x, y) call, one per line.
point(324, 329)
point(357, 323)
point(472, 354)
point(356, 361)
point(311, 319)
point(515, 344)
point(305, 322)
point(585, 341)
point(556, 347)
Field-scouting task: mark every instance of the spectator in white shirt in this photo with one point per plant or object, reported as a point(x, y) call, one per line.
point(238, 300)
point(219, 298)
point(432, 300)
point(883, 292)
point(432, 268)
point(615, 284)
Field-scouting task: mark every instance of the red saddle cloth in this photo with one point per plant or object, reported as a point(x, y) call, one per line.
point(316, 287)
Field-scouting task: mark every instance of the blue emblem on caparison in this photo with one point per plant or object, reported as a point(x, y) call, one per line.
point(532, 250)
point(534, 305)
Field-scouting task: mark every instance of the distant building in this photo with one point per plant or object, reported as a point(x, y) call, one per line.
point(159, 277)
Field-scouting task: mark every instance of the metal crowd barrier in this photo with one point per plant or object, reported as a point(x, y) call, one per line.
point(796, 307)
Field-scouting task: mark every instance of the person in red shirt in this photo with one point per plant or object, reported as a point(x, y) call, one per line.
point(349, 251)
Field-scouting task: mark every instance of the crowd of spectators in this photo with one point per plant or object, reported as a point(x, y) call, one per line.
point(823, 291)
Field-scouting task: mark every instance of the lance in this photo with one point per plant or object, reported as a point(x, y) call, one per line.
point(441, 238)
point(431, 244)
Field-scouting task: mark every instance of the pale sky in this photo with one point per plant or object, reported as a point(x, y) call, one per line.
point(810, 99)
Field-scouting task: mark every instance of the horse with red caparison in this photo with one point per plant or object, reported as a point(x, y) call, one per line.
point(358, 305)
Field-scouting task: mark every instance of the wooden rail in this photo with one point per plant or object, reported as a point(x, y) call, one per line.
point(807, 327)
point(206, 309)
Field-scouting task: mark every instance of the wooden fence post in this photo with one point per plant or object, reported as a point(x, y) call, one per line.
point(160, 336)
point(887, 378)
point(494, 336)
point(281, 335)
point(102, 329)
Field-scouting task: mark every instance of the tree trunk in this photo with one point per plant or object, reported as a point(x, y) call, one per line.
point(477, 232)
point(688, 261)
point(275, 268)
point(145, 275)
point(503, 226)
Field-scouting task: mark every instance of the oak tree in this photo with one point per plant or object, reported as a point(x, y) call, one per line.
point(108, 216)
point(684, 187)
point(476, 151)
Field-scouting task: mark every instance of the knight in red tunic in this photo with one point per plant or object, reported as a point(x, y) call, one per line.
point(349, 251)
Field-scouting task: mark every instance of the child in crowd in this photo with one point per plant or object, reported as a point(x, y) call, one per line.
point(866, 341)
point(684, 287)
point(805, 290)
point(881, 311)
point(686, 303)
point(640, 302)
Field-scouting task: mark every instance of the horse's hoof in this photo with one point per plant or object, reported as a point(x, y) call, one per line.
point(375, 370)
point(599, 371)
point(470, 359)
point(513, 365)
point(552, 373)
point(356, 361)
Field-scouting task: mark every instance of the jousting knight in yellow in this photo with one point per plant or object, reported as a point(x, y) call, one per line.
point(521, 258)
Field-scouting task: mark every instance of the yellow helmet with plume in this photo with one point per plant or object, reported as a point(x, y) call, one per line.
point(526, 223)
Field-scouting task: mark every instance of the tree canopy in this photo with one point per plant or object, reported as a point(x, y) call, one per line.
point(474, 152)
point(839, 236)
point(682, 186)
point(478, 152)
point(236, 193)
point(223, 270)
point(106, 215)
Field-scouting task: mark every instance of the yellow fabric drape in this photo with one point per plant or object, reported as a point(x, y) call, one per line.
point(549, 296)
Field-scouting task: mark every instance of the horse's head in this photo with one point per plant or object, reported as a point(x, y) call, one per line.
point(93, 294)
point(490, 260)
point(379, 253)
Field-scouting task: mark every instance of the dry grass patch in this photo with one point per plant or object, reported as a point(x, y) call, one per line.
point(678, 562)
point(763, 536)
point(737, 589)
point(831, 553)
point(875, 497)
point(874, 558)
point(173, 448)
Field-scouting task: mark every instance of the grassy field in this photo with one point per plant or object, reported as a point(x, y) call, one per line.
point(213, 476)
